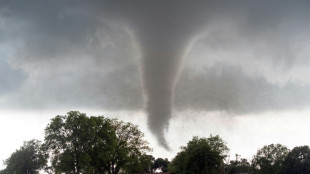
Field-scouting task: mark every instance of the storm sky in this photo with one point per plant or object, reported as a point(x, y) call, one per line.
point(175, 68)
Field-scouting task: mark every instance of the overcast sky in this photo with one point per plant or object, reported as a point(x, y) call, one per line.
point(239, 69)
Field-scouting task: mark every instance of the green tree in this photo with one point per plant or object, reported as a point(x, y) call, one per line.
point(129, 149)
point(200, 156)
point(28, 159)
point(102, 143)
point(219, 145)
point(297, 161)
point(81, 144)
point(68, 138)
point(239, 166)
point(142, 165)
point(161, 164)
point(269, 159)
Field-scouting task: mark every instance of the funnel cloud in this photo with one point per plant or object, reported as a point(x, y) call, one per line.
point(161, 56)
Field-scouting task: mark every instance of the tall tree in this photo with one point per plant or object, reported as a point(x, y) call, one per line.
point(68, 137)
point(28, 159)
point(269, 159)
point(102, 143)
point(129, 149)
point(81, 144)
point(199, 156)
point(297, 161)
point(219, 145)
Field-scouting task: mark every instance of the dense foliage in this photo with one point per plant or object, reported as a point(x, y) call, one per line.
point(201, 155)
point(269, 159)
point(28, 159)
point(76, 143)
point(238, 166)
point(81, 144)
point(297, 161)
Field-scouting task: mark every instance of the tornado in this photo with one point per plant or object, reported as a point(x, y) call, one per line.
point(163, 31)
point(163, 37)
point(162, 57)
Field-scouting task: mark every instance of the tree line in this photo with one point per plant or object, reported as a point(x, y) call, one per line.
point(78, 144)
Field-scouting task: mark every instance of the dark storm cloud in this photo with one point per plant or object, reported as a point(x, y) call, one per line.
point(71, 58)
point(10, 79)
point(91, 54)
point(224, 87)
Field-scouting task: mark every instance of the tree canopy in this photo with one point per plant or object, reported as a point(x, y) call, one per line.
point(219, 145)
point(201, 155)
point(269, 159)
point(81, 144)
point(297, 161)
point(28, 159)
point(238, 166)
point(129, 148)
